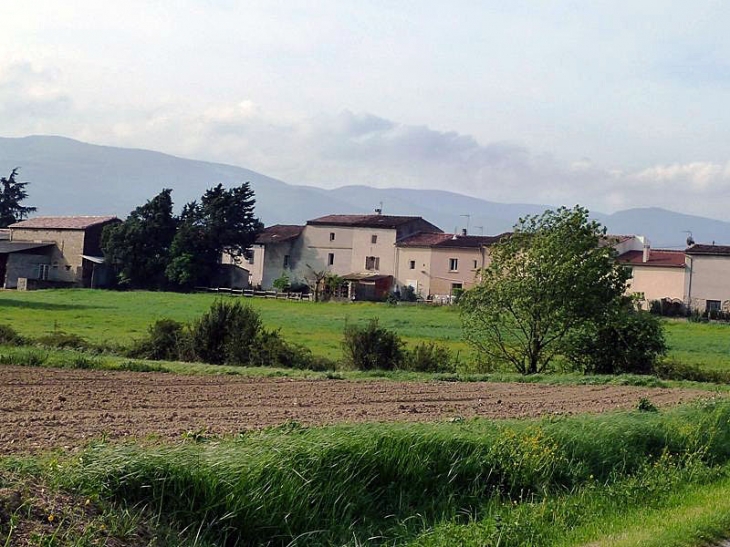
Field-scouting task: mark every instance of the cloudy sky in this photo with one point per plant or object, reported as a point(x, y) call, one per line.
point(610, 104)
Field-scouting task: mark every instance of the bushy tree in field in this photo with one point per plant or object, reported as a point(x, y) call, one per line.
point(223, 222)
point(372, 347)
point(554, 275)
point(12, 193)
point(139, 247)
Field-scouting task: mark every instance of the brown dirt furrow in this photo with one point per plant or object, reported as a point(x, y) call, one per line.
point(47, 408)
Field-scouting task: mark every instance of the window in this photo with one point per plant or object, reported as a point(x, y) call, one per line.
point(713, 305)
point(372, 262)
point(330, 259)
point(286, 261)
point(475, 264)
point(249, 258)
point(43, 271)
point(412, 265)
point(373, 239)
point(456, 287)
point(453, 264)
point(332, 236)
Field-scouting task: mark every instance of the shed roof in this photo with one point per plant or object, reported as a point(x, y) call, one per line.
point(708, 250)
point(7, 247)
point(657, 258)
point(278, 233)
point(363, 221)
point(441, 240)
point(62, 223)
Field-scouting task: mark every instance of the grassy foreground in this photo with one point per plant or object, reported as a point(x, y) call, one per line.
point(104, 317)
point(567, 481)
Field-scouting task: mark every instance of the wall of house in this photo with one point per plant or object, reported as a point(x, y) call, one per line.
point(418, 277)
point(66, 262)
point(707, 279)
point(316, 246)
point(25, 265)
point(442, 278)
point(656, 283)
point(363, 247)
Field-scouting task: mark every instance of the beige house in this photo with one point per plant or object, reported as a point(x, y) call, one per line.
point(437, 264)
point(656, 274)
point(54, 251)
point(707, 285)
point(360, 248)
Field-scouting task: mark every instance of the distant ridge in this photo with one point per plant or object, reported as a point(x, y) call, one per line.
point(72, 177)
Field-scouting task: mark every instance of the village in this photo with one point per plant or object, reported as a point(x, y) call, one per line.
point(374, 255)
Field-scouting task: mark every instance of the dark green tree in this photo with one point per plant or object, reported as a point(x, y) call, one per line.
point(139, 247)
point(12, 193)
point(554, 275)
point(223, 222)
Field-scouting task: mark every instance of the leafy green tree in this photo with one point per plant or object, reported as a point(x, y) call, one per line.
point(12, 193)
point(551, 277)
point(222, 223)
point(140, 246)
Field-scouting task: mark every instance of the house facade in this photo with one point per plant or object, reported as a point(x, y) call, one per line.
point(54, 251)
point(437, 265)
point(707, 284)
point(359, 248)
point(656, 274)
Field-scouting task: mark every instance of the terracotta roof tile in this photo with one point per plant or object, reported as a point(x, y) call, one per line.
point(657, 258)
point(440, 240)
point(62, 223)
point(709, 250)
point(363, 221)
point(278, 233)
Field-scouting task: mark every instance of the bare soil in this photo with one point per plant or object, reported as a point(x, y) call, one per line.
point(44, 408)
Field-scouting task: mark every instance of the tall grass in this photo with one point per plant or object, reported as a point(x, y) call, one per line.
point(326, 486)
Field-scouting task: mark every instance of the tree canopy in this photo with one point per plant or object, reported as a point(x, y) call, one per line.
point(140, 246)
point(555, 274)
point(12, 193)
point(153, 248)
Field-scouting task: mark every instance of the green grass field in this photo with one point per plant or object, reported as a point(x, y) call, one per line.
point(636, 478)
point(105, 317)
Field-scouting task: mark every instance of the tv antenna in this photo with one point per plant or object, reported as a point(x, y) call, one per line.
point(690, 239)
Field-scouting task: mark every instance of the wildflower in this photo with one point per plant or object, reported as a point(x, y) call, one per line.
point(51, 517)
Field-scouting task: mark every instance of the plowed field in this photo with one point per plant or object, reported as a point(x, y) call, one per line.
point(42, 408)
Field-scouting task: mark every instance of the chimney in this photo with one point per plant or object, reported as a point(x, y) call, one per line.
point(463, 232)
point(645, 256)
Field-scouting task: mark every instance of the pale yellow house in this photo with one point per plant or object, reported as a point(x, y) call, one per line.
point(54, 251)
point(707, 285)
point(656, 274)
point(436, 265)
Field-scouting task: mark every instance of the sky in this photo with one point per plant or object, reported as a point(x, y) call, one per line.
point(608, 104)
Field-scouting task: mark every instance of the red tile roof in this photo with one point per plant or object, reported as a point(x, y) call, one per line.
point(363, 221)
point(657, 258)
point(428, 239)
point(278, 233)
point(62, 223)
point(708, 250)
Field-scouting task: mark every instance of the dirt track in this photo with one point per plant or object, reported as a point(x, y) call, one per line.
point(41, 408)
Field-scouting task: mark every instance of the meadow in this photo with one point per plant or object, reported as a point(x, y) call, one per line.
point(105, 317)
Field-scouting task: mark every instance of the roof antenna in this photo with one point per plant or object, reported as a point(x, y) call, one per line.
point(468, 218)
point(481, 230)
point(379, 210)
point(690, 239)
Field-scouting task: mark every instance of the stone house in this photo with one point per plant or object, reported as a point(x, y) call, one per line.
point(54, 251)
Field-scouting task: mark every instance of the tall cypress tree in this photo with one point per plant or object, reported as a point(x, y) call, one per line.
point(12, 193)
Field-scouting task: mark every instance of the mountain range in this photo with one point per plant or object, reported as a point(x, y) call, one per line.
point(69, 177)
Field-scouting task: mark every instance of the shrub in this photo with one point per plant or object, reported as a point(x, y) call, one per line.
point(629, 342)
point(166, 339)
point(372, 347)
point(429, 357)
point(9, 336)
point(670, 370)
point(61, 339)
point(227, 333)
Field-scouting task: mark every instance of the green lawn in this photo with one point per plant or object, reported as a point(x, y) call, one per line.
point(120, 317)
